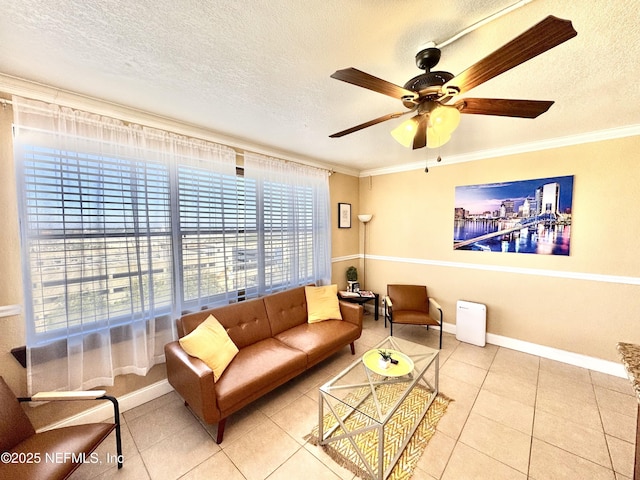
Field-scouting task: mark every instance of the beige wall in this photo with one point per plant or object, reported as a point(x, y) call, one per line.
point(344, 241)
point(412, 229)
point(11, 328)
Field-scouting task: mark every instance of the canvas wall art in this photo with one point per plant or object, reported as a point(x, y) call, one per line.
point(524, 216)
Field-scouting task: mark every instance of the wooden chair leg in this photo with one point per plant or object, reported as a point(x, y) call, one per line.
point(220, 432)
point(353, 348)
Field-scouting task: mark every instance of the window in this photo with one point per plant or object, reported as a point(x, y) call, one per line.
point(97, 240)
point(124, 228)
point(217, 235)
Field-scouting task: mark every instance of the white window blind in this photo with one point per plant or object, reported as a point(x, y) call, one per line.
point(98, 240)
point(218, 236)
point(294, 232)
point(124, 228)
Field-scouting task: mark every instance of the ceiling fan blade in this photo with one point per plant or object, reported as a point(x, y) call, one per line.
point(504, 107)
point(549, 33)
point(364, 80)
point(369, 123)
point(420, 138)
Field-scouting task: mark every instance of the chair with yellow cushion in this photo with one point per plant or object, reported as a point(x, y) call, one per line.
point(410, 305)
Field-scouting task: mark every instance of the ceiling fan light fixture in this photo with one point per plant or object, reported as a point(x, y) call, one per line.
point(444, 118)
point(405, 132)
point(436, 138)
point(430, 93)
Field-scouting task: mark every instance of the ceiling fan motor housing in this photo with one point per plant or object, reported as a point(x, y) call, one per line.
point(426, 59)
point(425, 80)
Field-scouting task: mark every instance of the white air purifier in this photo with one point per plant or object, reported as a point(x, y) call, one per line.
point(471, 323)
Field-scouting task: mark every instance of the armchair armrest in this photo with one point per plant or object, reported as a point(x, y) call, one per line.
point(80, 395)
point(388, 310)
point(85, 395)
point(435, 305)
point(387, 301)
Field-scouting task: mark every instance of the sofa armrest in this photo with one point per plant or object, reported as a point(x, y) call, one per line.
point(193, 380)
point(352, 313)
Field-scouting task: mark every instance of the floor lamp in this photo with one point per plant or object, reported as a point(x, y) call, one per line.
point(364, 218)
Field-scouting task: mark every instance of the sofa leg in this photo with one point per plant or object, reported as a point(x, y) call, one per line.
point(353, 348)
point(220, 433)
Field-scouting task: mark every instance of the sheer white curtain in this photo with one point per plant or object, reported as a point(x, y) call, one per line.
point(293, 222)
point(101, 237)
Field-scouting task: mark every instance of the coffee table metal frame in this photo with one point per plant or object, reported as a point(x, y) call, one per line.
point(371, 380)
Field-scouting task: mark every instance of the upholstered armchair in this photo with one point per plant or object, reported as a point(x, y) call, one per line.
point(410, 305)
point(55, 453)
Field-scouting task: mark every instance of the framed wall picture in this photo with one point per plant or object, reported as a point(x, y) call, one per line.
point(344, 215)
point(522, 216)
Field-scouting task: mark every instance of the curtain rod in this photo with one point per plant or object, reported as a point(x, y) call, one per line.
point(239, 151)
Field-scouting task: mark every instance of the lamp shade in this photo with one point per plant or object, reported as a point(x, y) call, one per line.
point(405, 132)
point(444, 118)
point(365, 217)
point(436, 138)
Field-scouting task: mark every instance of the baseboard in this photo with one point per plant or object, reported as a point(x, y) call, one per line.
point(571, 358)
point(144, 395)
point(104, 411)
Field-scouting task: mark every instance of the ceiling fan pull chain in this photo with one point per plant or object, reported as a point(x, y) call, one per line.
point(426, 167)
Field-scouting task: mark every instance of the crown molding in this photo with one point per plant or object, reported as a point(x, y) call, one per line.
point(17, 86)
point(10, 85)
point(588, 137)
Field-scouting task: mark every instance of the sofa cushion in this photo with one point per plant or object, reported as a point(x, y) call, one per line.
point(245, 322)
point(322, 303)
point(286, 309)
point(210, 343)
point(319, 339)
point(257, 368)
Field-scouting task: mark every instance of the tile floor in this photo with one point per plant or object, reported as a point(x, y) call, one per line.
point(515, 416)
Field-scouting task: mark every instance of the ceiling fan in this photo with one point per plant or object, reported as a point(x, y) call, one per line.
point(431, 95)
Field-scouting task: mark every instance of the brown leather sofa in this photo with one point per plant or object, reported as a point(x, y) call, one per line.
point(275, 344)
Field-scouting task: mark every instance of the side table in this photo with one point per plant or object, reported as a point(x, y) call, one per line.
point(362, 300)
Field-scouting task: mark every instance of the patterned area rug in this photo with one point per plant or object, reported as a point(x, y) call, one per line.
point(396, 430)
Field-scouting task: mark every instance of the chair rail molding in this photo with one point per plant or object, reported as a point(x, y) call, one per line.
point(594, 277)
point(10, 310)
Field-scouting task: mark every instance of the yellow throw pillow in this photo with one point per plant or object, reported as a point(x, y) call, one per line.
point(210, 343)
point(322, 303)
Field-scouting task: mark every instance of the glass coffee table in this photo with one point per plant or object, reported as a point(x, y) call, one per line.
point(362, 399)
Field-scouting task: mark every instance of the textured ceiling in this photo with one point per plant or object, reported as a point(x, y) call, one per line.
point(259, 71)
